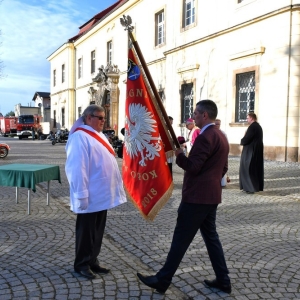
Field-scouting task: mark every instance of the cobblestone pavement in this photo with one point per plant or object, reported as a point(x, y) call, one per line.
point(260, 235)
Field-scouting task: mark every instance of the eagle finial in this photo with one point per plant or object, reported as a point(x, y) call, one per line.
point(126, 22)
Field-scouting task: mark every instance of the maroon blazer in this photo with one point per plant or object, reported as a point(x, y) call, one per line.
point(205, 166)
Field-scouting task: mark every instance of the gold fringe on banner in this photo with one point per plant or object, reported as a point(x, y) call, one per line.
point(157, 207)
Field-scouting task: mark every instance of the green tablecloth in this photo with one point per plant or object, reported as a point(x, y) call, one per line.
point(25, 175)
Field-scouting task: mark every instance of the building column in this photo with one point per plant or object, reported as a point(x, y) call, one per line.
point(293, 106)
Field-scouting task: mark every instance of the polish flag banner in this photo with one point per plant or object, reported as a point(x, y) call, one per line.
point(147, 144)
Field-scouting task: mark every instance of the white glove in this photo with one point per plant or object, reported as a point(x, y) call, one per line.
point(83, 203)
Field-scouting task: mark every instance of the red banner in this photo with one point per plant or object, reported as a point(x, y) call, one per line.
point(146, 175)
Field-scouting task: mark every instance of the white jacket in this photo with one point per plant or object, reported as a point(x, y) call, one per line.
point(93, 173)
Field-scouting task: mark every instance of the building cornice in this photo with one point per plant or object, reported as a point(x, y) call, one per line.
point(188, 68)
point(234, 28)
point(84, 86)
point(153, 62)
point(73, 90)
point(62, 91)
point(254, 51)
point(60, 50)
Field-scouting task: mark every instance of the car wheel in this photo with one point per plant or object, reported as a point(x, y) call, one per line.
point(3, 152)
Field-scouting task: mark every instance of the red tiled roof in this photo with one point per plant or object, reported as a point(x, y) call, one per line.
point(91, 23)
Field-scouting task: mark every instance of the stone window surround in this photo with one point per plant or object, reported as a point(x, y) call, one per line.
point(183, 27)
point(239, 71)
point(109, 49)
point(54, 77)
point(93, 62)
point(193, 81)
point(160, 11)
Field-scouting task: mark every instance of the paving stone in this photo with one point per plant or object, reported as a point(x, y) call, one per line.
point(260, 235)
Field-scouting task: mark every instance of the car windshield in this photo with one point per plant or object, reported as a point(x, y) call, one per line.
point(26, 120)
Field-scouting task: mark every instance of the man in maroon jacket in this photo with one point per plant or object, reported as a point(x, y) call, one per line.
point(201, 193)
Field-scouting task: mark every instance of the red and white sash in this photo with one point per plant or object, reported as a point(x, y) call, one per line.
point(98, 138)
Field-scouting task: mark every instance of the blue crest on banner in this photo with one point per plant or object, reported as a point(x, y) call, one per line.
point(133, 70)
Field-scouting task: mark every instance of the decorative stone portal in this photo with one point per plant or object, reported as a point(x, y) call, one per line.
point(107, 94)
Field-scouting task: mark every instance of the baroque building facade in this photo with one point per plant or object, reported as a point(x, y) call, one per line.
point(243, 54)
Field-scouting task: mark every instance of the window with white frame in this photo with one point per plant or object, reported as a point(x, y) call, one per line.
point(109, 52)
point(245, 95)
point(79, 67)
point(93, 62)
point(54, 77)
point(63, 73)
point(188, 12)
point(160, 28)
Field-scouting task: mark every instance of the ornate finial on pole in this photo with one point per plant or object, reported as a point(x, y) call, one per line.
point(126, 22)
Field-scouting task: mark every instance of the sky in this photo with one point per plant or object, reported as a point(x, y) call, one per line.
point(31, 30)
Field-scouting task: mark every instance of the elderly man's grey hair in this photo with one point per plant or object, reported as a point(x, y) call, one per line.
point(90, 110)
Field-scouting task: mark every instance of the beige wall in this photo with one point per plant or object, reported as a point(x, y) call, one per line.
point(227, 38)
point(63, 93)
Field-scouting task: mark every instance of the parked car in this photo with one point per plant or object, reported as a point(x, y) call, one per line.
point(4, 149)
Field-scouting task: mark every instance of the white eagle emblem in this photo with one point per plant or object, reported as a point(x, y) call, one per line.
point(138, 136)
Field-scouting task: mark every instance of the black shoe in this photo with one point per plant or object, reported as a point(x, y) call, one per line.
point(153, 282)
point(86, 273)
point(99, 270)
point(226, 288)
point(249, 192)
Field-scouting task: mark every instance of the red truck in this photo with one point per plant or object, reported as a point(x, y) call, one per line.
point(26, 123)
point(8, 126)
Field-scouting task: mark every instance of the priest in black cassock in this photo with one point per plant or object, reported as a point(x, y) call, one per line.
point(252, 159)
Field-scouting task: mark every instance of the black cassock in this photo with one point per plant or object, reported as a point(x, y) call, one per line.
point(252, 160)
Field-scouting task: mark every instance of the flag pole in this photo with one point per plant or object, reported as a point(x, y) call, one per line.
point(126, 22)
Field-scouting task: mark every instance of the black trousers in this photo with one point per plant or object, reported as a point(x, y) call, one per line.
point(170, 167)
point(89, 234)
point(192, 217)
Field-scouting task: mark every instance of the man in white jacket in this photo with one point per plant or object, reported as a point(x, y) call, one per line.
point(95, 186)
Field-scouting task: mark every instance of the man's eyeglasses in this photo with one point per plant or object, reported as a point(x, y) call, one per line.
point(99, 117)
